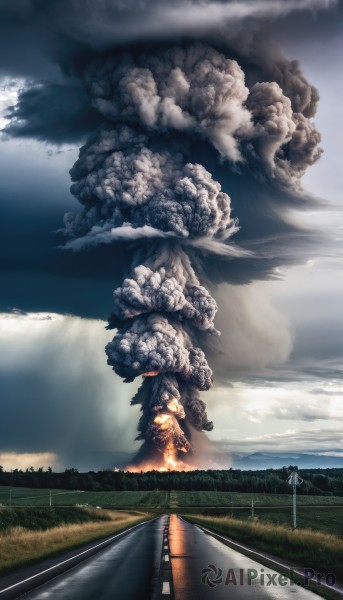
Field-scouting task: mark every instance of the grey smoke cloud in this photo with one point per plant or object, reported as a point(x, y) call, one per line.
point(148, 291)
point(196, 409)
point(165, 387)
point(287, 141)
point(274, 126)
point(165, 395)
point(162, 410)
point(304, 96)
point(200, 91)
point(155, 344)
point(143, 188)
point(136, 182)
point(192, 89)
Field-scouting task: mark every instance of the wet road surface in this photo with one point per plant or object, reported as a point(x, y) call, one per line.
point(193, 550)
point(167, 558)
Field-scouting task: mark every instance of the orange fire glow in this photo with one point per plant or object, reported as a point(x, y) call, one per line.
point(170, 461)
point(151, 374)
point(164, 421)
point(168, 464)
point(173, 405)
point(169, 457)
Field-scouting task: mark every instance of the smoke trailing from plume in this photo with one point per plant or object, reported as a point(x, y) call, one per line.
point(136, 180)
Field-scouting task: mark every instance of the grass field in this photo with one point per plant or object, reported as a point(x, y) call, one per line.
point(240, 499)
point(321, 513)
point(155, 499)
point(41, 519)
point(20, 546)
point(328, 519)
point(40, 497)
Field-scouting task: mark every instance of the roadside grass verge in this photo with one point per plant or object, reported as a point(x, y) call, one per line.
point(328, 519)
point(305, 548)
point(37, 519)
point(20, 546)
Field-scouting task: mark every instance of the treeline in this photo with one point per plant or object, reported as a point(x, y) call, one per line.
point(325, 482)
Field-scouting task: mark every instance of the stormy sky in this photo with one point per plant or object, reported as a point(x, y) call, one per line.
point(277, 367)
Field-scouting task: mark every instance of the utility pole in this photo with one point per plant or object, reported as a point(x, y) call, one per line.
point(50, 503)
point(294, 480)
point(253, 505)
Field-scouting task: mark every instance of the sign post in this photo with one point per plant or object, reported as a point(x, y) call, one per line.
point(294, 480)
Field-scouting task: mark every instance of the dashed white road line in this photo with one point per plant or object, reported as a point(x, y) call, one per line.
point(165, 588)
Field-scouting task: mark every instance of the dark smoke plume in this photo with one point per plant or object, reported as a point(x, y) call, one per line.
point(138, 180)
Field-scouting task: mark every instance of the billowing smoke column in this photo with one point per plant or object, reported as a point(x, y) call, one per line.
point(136, 180)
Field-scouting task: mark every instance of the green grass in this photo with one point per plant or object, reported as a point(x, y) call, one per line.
point(40, 497)
point(241, 499)
point(28, 543)
point(156, 498)
point(329, 519)
point(278, 507)
point(41, 519)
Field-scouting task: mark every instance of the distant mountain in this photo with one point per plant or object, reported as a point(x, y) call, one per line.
point(269, 460)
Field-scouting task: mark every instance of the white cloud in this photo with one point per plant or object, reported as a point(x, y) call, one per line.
point(292, 440)
point(15, 460)
point(253, 416)
point(9, 92)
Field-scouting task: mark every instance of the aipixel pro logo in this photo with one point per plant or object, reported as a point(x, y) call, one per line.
point(211, 576)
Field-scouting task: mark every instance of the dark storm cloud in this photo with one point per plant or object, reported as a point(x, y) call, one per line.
point(107, 23)
point(54, 112)
point(322, 392)
point(35, 274)
point(68, 412)
point(38, 38)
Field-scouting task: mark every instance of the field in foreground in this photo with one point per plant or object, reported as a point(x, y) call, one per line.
point(322, 513)
point(40, 519)
point(20, 546)
point(304, 547)
point(154, 499)
point(328, 519)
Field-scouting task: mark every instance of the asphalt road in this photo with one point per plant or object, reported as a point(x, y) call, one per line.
point(193, 550)
point(170, 556)
point(124, 570)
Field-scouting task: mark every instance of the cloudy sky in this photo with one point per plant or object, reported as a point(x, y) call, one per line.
point(278, 366)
